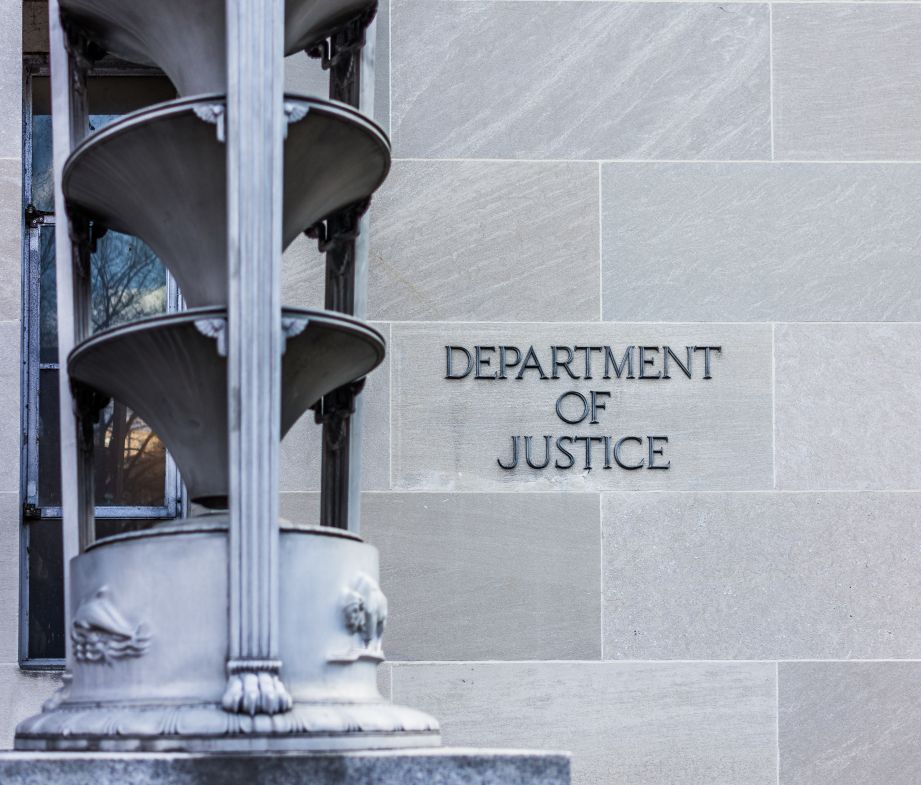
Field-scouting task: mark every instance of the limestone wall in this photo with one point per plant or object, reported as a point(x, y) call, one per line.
point(631, 173)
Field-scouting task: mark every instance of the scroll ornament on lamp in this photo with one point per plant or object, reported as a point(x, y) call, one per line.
point(101, 633)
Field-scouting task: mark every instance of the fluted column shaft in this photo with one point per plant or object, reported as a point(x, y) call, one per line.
point(255, 123)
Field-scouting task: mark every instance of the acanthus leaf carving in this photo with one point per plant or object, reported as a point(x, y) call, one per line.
point(214, 328)
point(214, 114)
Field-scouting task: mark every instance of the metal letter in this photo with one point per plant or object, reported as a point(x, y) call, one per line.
point(449, 354)
point(559, 407)
point(619, 461)
point(514, 455)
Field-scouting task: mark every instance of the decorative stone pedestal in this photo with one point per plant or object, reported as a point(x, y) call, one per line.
point(404, 767)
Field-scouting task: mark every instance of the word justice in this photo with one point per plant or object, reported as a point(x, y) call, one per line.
point(604, 452)
point(578, 362)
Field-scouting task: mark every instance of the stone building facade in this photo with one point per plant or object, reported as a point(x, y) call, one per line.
point(653, 178)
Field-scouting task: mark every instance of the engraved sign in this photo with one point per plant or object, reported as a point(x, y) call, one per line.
point(580, 406)
point(587, 448)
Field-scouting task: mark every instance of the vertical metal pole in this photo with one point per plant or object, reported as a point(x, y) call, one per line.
point(360, 295)
point(352, 82)
point(255, 129)
point(70, 124)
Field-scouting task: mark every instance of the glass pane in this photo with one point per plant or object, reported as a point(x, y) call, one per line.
point(48, 300)
point(107, 527)
point(49, 447)
point(46, 580)
point(42, 163)
point(109, 98)
point(130, 460)
point(46, 590)
point(129, 282)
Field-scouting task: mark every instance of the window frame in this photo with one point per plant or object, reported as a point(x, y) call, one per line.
point(31, 367)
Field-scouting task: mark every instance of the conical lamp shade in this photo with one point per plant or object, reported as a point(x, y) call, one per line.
point(186, 39)
point(160, 174)
point(172, 371)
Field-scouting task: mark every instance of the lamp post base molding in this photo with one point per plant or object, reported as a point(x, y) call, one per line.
point(150, 649)
point(392, 767)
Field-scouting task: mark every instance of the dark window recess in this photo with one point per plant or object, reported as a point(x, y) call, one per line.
point(46, 588)
point(135, 483)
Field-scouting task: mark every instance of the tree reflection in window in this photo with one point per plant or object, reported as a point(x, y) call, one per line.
point(136, 484)
point(128, 283)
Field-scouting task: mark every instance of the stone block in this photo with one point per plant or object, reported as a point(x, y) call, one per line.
point(848, 406)
point(488, 576)
point(845, 78)
point(10, 439)
point(305, 75)
point(473, 240)
point(11, 35)
point(300, 506)
point(22, 694)
point(849, 723)
point(303, 274)
point(761, 242)
point(450, 434)
point(625, 723)
point(382, 66)
point(580, 80)
point(760, 576)
point(441, 767)
point(301, 448)
point(10, 515)
point(383, 679)
point(10, 238)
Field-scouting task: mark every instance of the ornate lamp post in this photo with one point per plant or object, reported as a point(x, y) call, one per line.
point(228, 630)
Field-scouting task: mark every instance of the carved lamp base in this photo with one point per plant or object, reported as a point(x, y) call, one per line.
point(208, 728)
point(150, 668)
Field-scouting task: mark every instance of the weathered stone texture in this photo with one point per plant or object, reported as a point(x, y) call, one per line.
point(845, 81)
point(848, 406)
point(849, 723)
point(488, 576)
point(21, 695)
point(625, 723)
point(448, 434)
point(10, 238)
point(10, 511)
point(580, 80)
point(761, 575)
point(761, 242)
point(440, 767)
point(475, 240)
point(10, 432)
point(300, 450)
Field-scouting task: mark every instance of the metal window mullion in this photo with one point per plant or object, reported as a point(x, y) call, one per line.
point(360, 310)
point(352, 81)
point(174, 490)
point(32, 366)
point(28, 372)
point(31, 303)
point(110, 512)
point(77, 507)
